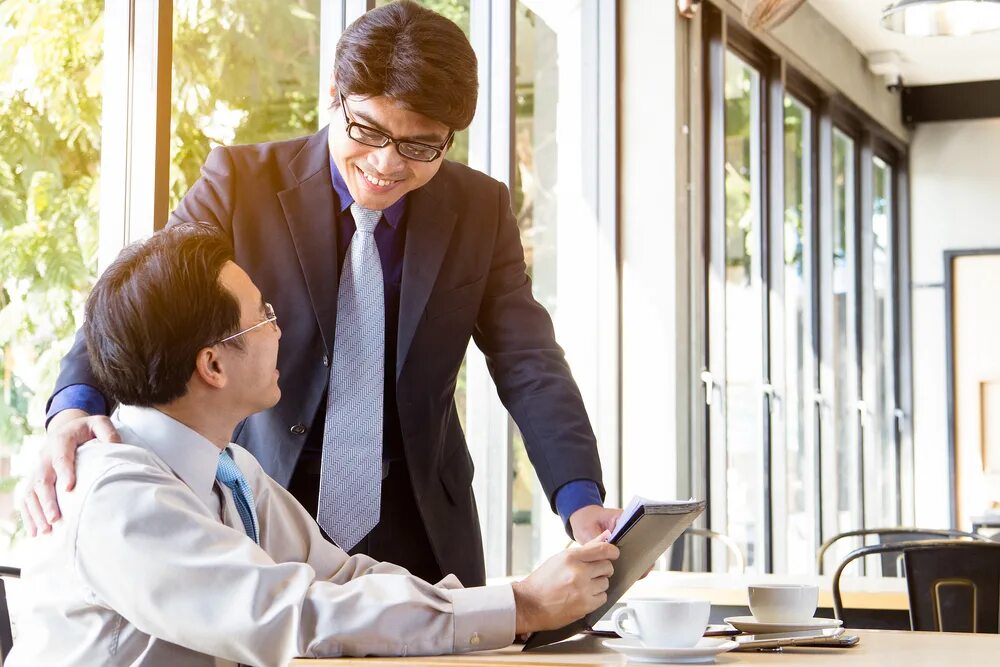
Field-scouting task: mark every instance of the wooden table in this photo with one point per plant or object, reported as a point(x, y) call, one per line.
point(877, 647)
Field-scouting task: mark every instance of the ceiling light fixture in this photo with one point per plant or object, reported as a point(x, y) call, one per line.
point(942, 18)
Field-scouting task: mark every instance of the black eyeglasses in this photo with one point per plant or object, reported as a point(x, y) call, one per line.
point(411, 150)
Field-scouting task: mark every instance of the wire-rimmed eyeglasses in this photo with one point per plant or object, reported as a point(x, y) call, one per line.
point(269, 318)
point(369, 136)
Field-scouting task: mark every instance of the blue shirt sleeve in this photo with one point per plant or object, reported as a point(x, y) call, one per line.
point(571, 496)
point(80, 396)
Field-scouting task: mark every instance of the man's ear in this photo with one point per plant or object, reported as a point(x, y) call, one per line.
point(210, 367)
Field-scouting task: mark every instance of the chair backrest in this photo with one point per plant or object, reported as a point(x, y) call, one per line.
point(676, 561)
point(890, 536)
point(951, 584)
point(6, 636)
point(954, 587)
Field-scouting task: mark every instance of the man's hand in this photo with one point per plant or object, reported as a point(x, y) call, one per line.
point(68, 430)
point(566, 587)
point(590, 521)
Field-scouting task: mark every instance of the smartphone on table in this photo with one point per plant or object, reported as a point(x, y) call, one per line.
point(832, 637)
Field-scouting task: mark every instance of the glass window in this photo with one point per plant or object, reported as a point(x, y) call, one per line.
point(846, 504)
point(243, 72)
point(800, 530)
point(553, 197)
point(50, 154)
point(743, 312)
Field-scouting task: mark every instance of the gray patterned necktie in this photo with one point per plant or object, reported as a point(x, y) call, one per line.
point(351, 478)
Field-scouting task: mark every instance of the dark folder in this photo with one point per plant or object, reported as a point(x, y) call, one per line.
point(646, 533)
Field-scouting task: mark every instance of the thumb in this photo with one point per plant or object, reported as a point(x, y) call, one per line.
point(603, 537)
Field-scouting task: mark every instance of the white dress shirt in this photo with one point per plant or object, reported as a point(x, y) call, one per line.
point(150, 565)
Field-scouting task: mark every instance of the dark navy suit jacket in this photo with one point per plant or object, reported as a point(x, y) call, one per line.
point(463, 276)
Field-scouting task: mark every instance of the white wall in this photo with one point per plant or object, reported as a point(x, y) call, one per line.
point(955, 204)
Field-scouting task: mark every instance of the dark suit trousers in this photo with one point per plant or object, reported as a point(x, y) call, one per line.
point(399, 538)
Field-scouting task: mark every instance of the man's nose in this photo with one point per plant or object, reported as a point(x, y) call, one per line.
point(387, 160)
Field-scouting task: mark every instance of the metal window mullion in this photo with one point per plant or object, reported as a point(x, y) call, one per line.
point(866, 290)
point(491, 151)
point(693, 94)
point(857, 316)
point(772, 234)
point(904, 327)
point(811, 277)
point(827, 460)
point(601, 16)
point(715, 226)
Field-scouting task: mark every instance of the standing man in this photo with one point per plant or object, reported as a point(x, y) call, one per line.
point(384, 260)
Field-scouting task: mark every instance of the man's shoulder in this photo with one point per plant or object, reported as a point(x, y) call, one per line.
point(98, 462)
point(272, 158)
point(463, 173)
point(284, 147)
point(459, 182)
point(95, 459)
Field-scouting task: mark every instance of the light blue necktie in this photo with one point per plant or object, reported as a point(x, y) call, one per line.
point(229, 474)
point(350, 486)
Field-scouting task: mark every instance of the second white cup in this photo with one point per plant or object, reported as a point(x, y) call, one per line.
point(783, 603)
point(660, 623)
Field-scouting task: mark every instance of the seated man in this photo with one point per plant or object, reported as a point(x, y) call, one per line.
point(177, 549)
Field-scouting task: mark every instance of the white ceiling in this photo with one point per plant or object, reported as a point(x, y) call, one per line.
point(924, 60)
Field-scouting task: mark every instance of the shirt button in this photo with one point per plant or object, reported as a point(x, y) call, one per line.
point(298, 429)
point(474, 639)
point(326, 360)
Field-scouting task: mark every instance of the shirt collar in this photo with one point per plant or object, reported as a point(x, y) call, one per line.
point(393, 215)
point(192, 457)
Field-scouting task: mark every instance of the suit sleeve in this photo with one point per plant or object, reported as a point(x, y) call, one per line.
point(529, 367)
point(209, 200)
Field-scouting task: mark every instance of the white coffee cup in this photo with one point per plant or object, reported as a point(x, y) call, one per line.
point(783, 603)
point(663, 623)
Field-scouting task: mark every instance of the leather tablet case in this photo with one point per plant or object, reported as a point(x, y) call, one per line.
point(643, 538)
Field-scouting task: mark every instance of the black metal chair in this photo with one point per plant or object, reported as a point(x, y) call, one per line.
point(892, 536)
point(675, 561)
point(953, 585)
point(6, 637)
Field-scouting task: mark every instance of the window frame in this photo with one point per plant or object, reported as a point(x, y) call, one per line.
point(720, 31)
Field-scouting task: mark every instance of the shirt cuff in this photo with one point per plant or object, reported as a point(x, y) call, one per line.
point(484, 617)
point(571, 496)
point(79, 396)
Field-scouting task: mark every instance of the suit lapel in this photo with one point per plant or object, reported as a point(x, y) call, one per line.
point(310, 213)
point(429, 225)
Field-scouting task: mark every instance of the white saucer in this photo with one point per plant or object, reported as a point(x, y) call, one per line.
point(704, 651)
point(751, 625)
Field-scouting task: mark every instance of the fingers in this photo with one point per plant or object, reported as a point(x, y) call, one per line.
point(26, 520)
point(603, 537)
point(64, 467)
point(104, 430)
point(34, 510)
point(602, 568)
point(595, 551)
point(44, 492)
